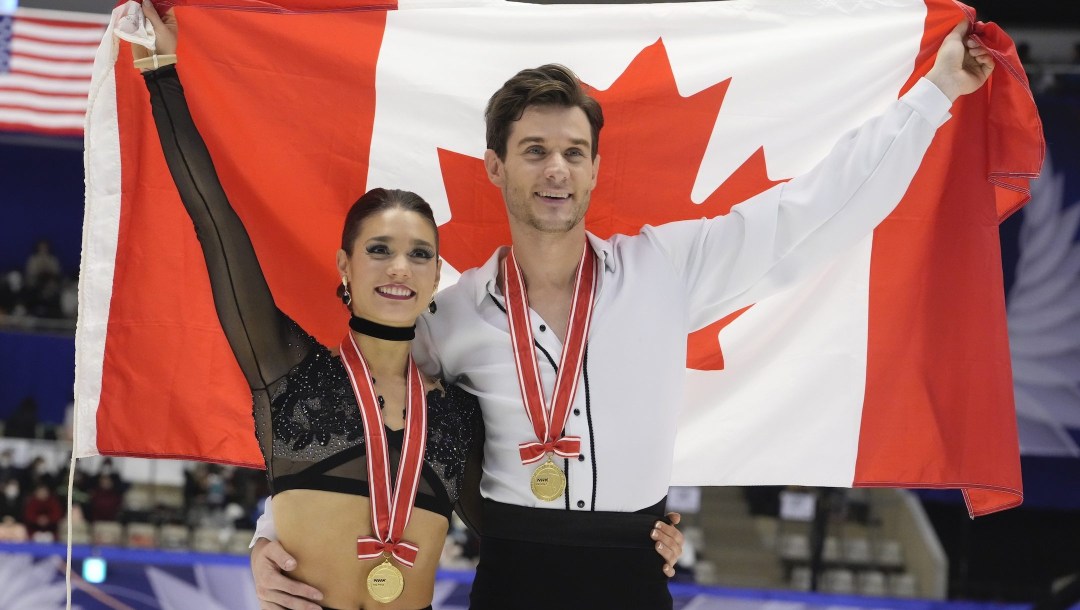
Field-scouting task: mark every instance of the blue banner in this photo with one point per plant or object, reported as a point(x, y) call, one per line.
point(31, 577)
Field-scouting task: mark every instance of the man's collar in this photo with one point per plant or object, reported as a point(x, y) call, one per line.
point(487, 274)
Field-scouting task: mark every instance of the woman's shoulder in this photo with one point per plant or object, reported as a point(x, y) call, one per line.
point(310, 358)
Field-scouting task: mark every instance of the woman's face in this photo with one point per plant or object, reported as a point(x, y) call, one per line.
point(393, 270)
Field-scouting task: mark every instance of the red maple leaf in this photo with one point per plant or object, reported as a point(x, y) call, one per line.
point(651, 148)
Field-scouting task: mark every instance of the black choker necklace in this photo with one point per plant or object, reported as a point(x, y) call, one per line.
point(382, 331)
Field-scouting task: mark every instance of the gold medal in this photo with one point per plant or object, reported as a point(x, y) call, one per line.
point(385, 582)
point(548, 481)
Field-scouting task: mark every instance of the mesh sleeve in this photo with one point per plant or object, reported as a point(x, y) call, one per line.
point(265, 344)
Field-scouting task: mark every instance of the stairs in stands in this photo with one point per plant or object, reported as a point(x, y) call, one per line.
point(732, 551)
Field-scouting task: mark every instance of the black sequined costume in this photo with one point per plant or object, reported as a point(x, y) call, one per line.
point(306, 416)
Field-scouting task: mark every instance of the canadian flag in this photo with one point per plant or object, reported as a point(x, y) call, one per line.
point(889, 368)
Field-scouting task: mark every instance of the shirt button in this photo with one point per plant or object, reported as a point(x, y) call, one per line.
point(581, 503)
point(577, 411)
point(543, 328)
point(580, 457)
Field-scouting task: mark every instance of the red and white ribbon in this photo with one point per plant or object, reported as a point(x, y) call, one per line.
point(548, 423)
point(390, 509)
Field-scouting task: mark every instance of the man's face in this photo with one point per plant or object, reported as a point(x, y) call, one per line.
point(549, 173)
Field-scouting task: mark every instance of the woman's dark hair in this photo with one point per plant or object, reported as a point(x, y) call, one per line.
point(378, 200)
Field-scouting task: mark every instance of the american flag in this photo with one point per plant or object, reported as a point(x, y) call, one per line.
point(46, 58)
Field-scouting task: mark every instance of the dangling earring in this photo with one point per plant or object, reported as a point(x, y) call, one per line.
point(432, 307)
point(346, 298)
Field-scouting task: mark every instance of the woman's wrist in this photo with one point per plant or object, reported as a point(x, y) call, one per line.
point(153, 62)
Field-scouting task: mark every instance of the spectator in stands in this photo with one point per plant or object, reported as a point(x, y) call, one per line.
point(106, 500)
point(12, 294)
point(12, 530)
point(195, 487)
point(23, 421)
point(42, 513)
point(8, 470)
point(41, 265)
point(11, 499)
point(215, 487)
point(45, 302)
point(108, 469)
point(37, 473)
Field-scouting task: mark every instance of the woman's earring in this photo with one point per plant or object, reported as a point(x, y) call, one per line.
point(432, 307)
point(346, 298)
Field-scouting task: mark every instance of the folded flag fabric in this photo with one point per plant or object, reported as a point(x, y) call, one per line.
point(889, 368)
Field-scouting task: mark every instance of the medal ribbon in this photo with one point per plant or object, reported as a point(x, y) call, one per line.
point(390, 511)
point(548, 423)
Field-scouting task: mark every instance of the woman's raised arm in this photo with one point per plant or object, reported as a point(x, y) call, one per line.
point(265, 342)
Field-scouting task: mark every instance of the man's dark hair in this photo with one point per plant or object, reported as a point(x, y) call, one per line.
point(548, 85)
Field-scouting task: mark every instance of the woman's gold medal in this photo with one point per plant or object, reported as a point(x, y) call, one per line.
point(385, 582)
point(548, 481)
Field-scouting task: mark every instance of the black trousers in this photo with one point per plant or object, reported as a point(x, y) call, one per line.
point(541, 559)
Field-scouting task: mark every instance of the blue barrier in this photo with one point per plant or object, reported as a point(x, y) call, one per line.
point(41, 366)
point(148, 579)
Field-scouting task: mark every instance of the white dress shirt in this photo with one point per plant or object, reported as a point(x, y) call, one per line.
point(653, 289)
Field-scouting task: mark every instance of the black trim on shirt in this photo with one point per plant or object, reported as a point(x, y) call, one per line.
point(588, 418)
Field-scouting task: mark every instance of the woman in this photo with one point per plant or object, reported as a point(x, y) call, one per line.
point(331, 429)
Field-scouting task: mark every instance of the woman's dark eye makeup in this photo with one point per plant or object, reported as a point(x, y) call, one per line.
point(384, 250)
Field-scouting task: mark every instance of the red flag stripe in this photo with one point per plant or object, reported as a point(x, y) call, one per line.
point(13, 90)
point(89, 42)
point(64, 20)
point(31, 59)
point(78, 83)
point(44, 68)
point(40, 119)
point(55, 49)
point(18, 125)
point(75, 113)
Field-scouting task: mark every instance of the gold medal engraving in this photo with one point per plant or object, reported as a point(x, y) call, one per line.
point(385, 582)
point(548, 481)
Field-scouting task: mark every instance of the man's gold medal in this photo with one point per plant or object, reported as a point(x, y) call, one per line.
point(548, 481)
point(385, 582)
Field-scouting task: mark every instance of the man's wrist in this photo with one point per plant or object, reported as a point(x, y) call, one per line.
point(944, 83)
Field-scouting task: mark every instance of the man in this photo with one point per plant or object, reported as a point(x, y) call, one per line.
point(591, 434)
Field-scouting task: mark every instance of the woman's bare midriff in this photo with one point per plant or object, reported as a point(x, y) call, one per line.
point(320, 528)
